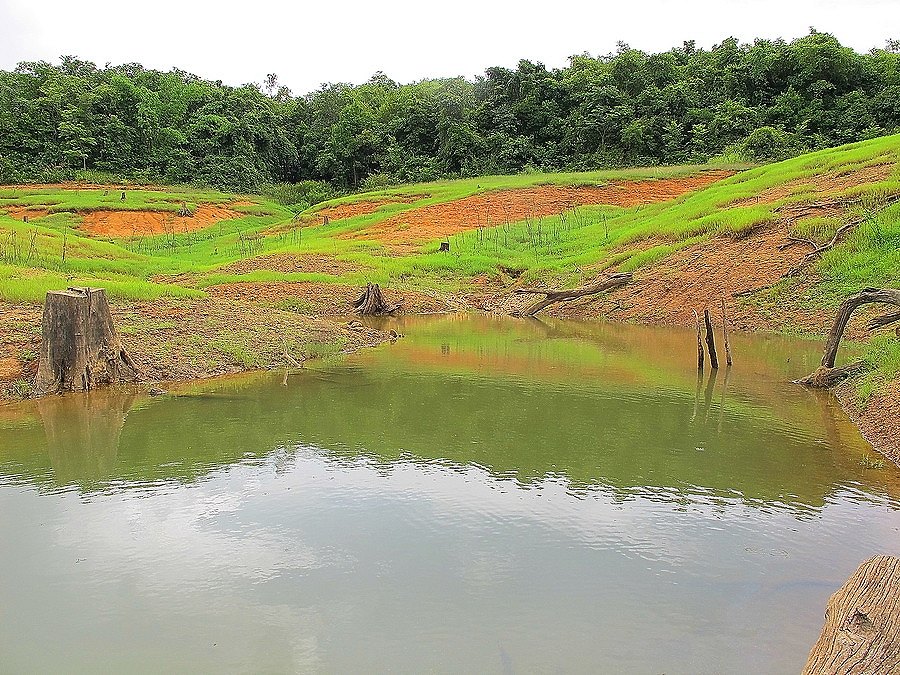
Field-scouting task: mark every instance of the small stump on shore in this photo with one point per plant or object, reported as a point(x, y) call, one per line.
point(861, 633)
point(372, 303)
point(80, 348)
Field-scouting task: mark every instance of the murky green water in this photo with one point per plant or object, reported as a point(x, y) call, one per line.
point(483, 496)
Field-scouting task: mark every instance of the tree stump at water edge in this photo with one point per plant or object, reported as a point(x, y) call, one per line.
point(80, 347)
point(372, 303)
point(862, 624)
point(827, 375)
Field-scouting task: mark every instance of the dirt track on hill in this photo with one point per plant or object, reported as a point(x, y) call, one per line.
point(435, 221)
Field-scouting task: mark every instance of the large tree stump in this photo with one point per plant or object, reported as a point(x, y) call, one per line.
point(80, 348)
point(372, 303)
point(862, 632)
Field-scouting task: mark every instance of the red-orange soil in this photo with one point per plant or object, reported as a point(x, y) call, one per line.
point(19, 212)
point(143, 223)
point(435, 221)
point(365, 207)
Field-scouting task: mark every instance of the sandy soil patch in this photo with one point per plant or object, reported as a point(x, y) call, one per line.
point(435, 221)
point(144, 223)
point(289, 263)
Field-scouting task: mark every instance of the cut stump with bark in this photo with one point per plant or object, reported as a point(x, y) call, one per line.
point(861, 633)
point(552, 296)
point(372, 303)
point(80, 349)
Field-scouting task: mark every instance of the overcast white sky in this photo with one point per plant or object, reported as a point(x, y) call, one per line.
point(310, 42)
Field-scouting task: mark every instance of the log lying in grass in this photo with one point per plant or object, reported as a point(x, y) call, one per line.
point(372, 303)
point(553, 296)
point(861, 632)
point(827, 375)
point(80, 348)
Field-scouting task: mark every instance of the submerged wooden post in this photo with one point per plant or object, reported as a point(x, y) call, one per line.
point(861, 632)
point(725, 334)
point(80, 347)
point(711, 340)
point(699, 342)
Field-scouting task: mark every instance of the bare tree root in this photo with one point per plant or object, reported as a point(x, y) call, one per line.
point(553, 296)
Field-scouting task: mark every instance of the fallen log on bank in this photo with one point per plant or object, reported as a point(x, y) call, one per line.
point(80, 347)
point(372, 303)
point(552, 296)
point(827, 375)
point(861, 632)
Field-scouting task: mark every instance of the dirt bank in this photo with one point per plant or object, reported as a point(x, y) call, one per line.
point(186, 340)
point(878, 419)
point(326, 299)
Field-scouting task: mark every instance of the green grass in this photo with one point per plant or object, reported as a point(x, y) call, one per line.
point(564, 249)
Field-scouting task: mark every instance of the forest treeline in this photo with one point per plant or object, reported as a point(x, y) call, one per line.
point(765, 100)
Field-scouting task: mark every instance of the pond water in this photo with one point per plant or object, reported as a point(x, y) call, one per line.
point(486, 495)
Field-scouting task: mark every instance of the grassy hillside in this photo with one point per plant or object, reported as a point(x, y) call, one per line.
point(561, 228)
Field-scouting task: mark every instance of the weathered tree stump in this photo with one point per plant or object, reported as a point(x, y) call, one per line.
point(372, 303)
point(861, 633)
point(711, 340)
point(80, 348)
point(699, 342)
point(827, 375)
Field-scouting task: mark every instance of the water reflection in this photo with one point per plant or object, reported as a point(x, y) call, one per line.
point(484, 495)
point(616, 407)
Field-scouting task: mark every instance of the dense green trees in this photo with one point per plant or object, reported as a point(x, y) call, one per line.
point(768, 99)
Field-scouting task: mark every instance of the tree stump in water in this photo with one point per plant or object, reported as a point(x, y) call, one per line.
point(372, 303)
point(861, 633)
point(80, 348)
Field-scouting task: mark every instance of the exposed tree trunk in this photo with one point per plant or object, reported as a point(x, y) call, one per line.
point(725, 334)
point(699, 341)
point(711, 340)
point(861, 632)
point(80, 348)
point(553, 296)
point(372, 303)
point(827, 374)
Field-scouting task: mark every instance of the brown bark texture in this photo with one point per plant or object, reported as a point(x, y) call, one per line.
point(80, 347)
point(552, 296)
point(861, 635)
point(372, 303)
point(827, 375)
